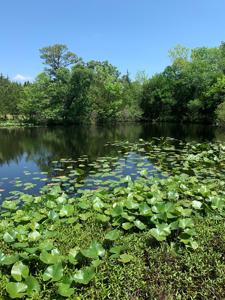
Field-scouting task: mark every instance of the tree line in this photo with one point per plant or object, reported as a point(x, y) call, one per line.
point(70, 90)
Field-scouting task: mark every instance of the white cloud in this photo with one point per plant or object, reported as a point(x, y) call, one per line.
point(22, 78)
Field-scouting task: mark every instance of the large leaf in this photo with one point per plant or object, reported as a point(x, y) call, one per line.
point(16, 289)
point(94, 251)
point(9, 237)
point(19, 271)
point(66, 210)
point(186, 222)
point(160, 232)
point(145, 210)
point(98, 204)
point(50, 258)
point(54, 272)
point(84, 276)
point(196, 204)
point(65, 290)
point(32, 285)
point(140, 225)
point(117, 211)
point(8, 259)
point(113, 235)
point(127, 225)
point(34, 236)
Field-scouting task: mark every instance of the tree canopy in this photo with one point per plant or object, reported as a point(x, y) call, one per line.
point(70, 90)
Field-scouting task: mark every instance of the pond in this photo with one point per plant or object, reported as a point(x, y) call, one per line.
point(33, 157)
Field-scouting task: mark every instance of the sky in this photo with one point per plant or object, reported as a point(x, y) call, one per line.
point(133, 35)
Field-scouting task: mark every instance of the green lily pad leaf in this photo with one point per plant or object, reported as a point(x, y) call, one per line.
point(54, 272)
point(130, 204)
point(20, 245)
point(116, 249)
point(173, 195)
point(217, 202)
point(9, 237)
point(144, 173)
point(66, 210)
point(174, 225)
point(98, 204)
point(102, 218)
point(19, 271)
point(157, 234)
point(65, 290)
point(85, 275)
point(96, 263)
point(196, 204)
point(160, 232)
point(16, 289)
point(186, 222)
point(127, 225)
point(12, 205)
point(32, 285)
point(94, 251)
point(113, 235)
point(50, 258)
point(139, 225)
point(72, 256)
point(34, 236)
point(46, 245)
point(125, 258)
point(8, 259)
point(117, 211)
point(145, 210)
point(53, 215)
point(2, 257)
point(85, 216)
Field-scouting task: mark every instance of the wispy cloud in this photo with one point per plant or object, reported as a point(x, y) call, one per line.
point(22, 78)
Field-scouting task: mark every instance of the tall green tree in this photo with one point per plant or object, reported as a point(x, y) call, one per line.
point(10, 94)
point(57, 56)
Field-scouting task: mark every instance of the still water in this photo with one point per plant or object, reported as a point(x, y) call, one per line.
point(28, 156)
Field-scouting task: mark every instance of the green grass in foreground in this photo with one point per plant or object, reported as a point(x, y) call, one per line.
point(157, 271)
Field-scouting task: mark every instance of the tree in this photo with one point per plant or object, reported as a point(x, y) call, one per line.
point(78, 106)
point(106, 91)
point(157, 100)
point(10, 94)
point(57, 56)
point(179, 53)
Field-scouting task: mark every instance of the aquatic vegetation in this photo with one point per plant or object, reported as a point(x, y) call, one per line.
point(60, 239)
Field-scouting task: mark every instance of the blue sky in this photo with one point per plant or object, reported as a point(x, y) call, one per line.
point(131, 34)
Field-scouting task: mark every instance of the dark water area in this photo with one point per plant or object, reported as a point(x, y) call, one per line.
point(27, 154)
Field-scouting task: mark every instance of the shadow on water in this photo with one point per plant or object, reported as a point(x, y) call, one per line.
point(26, 152)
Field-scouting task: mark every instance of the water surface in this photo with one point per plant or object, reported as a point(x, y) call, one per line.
point(30, 157)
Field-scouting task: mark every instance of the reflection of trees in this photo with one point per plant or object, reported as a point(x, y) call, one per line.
point(186, 132)
point(43, 145)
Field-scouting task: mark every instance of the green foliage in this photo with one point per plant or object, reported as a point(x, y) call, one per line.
point(73, 91)
point(189, 90)
point(220, 113)
point(55, 244)
point(56, 57)
point(10, 95)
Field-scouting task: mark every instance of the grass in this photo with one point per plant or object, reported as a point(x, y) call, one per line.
point(158, 271)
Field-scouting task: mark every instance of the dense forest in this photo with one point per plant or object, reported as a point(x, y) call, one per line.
point(70, 90)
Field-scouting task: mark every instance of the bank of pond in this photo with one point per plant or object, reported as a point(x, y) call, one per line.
point(145, 223)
